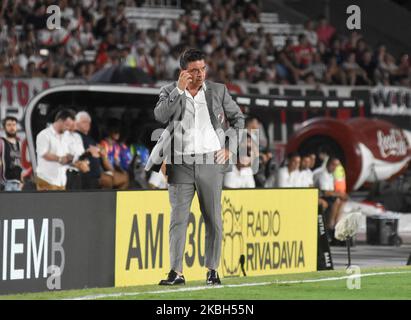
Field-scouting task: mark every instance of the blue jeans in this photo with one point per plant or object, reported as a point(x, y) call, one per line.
point(12, 186)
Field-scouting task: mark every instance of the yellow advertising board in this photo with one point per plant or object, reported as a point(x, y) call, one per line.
point(270, 231)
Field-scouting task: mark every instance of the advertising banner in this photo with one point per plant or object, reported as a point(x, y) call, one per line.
point(56, 241)
point(391, 101)
point(264, 232)
point(16, 93)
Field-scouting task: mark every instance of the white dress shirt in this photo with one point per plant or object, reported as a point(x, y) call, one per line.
point(49, 141)
point(325, 180)
point(74, 143)
point(305, 179)
point(239, 178)
point(75, 147)
point(287, 179)
point(199, 135)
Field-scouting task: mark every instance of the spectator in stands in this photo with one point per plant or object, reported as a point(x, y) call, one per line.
point(404, 71)
point(105, 25)
point(361, 48)
point(95, 178)
point(11, 178)
point(318, 68)
point(325, 31)
point(310, 33)
point(335, 74)
point(53, 153)
point(355, 74)
point(112, 150)
point(173, 35)
point(336, 50)
point(335, 199)
point(303, 51)
point(285, 69)
point(368, 65)
point(288, 175)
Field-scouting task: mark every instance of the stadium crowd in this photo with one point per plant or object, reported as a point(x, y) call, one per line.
point(321, 55)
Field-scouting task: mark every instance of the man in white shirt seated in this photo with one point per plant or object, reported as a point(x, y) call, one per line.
point(324, 180)
point(288, 176)
point(80, 163)
point(53, 153)
point(306, 175)
point(242, 176)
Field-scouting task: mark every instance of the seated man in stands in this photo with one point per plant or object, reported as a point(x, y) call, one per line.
point(114, 154)
point(95, 178)
point(80, 164)
point(305, 178)
point(324, 180)
point(288, 176)
point(241, 176)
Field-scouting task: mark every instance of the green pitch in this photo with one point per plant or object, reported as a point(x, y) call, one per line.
point(387, 283)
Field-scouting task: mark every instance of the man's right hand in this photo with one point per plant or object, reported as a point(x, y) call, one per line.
point(66, 159)
point(184, 79)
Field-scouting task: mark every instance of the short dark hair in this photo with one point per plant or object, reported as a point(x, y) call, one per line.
point(9, 118)
point(64, 114)
point(293, 155)
point(191, 55)
point(250, 118)
point(331, 159)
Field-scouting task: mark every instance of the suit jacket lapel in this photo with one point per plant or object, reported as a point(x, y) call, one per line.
point(209, 100)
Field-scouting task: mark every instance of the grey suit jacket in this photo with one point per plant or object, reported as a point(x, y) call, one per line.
point(225, 115)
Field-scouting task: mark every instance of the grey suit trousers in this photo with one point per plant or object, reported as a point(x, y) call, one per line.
point(184, 180)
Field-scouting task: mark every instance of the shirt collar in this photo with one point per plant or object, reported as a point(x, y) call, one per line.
point(54, 130)
point(203, 86)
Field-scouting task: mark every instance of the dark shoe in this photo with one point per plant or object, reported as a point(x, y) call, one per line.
point(213, 278)
point(173, 279)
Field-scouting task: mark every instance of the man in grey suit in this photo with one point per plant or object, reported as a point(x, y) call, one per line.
point(203, 127)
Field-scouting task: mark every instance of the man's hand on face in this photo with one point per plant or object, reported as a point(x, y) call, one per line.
point(184, 79)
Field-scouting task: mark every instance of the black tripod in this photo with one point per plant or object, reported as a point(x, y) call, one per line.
point(348, 242)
